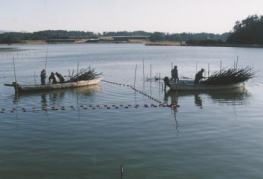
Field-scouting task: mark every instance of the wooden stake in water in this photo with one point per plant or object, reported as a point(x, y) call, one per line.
point(143, 74)
point(236, 62)
point(46, 59)
point(151, 72)
point(14, 68)
point(77, 69)
point(151, 79)
point(135, 75)
point(220, 66)
point(208, 70)
point(121, 171)
point(35, 78)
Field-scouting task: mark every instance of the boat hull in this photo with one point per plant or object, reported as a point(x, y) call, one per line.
point(188, 85)
point(36, 88)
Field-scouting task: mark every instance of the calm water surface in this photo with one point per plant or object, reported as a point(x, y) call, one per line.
point(211, 135)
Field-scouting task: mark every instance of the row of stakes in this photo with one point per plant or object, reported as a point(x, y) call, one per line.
point(84, 107)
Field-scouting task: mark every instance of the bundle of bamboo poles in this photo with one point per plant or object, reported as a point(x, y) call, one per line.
point(230, 76)
point(83, 74)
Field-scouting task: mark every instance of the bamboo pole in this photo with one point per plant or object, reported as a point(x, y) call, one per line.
point(220, 68)
point(121, 171)
point(14, 68)
point(135, 75)
point(237, 61)
point(208, 70)
point(35, 78)
point(151, 72)
point(143, 73)
point(46, 59)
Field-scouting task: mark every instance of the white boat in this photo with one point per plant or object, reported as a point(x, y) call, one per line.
point(188, 85)
point(19, 88)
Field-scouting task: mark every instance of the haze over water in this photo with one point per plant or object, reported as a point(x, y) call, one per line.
point(211, 135)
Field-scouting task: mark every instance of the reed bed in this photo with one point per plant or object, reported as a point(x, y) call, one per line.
point(230, 76)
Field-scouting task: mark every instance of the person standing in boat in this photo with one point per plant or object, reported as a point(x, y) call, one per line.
point(199, 76)
point(174, 74)
point(60, 77)
point(43, 76)
point(52, 79)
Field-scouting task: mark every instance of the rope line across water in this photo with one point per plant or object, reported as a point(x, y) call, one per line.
point(136, 90)
point(82, 107)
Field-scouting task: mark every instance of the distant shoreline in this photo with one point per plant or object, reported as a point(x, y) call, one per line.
point(143, 42)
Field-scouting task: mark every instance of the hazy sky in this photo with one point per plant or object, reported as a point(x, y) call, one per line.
point(215, 16)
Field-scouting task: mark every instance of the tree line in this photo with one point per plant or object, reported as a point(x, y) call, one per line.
point(247, 31)
point(16, 37)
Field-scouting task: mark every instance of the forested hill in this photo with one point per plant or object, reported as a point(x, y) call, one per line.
point(15, 37)
point(248, 31)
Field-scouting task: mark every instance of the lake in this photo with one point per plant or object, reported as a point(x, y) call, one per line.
point(90, 132)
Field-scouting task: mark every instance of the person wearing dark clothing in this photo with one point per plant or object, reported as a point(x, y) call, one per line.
point(199, 76)
point(174, 73)
point(43, 76)
point(52, 78)
point(60, 77)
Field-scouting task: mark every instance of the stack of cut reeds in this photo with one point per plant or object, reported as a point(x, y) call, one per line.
point(84, 74)
point(230, 76)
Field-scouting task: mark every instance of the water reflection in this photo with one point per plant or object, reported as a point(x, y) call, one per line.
point(231, 97)
point(58, 96)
